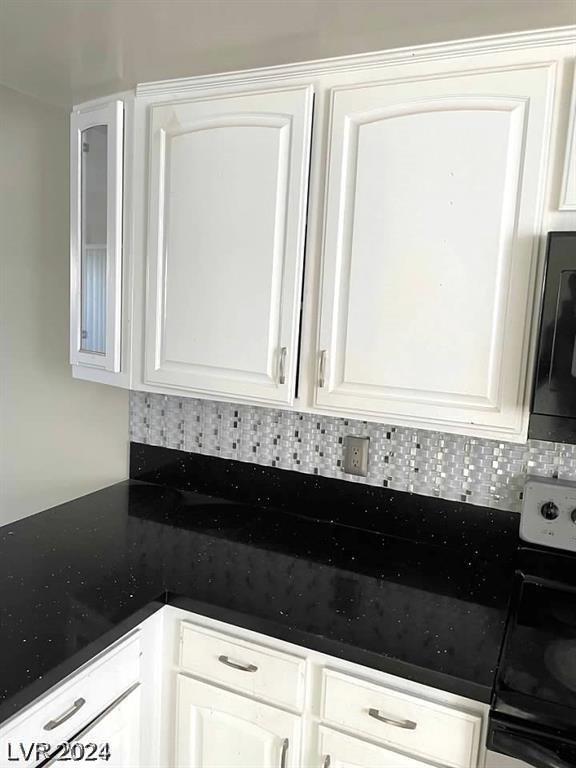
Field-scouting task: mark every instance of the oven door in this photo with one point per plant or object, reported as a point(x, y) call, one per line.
point(527, 745)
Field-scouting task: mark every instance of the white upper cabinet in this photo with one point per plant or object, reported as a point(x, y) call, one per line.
point(226, 226)
point(96, 165)
point(435, 173)
point(433, 205)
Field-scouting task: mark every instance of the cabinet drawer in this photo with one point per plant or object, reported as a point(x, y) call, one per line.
point(244, 666)
point(417, 726)
point(59, 714)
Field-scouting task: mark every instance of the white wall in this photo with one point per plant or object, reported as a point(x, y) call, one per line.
point(59, 438)
point(69, 51)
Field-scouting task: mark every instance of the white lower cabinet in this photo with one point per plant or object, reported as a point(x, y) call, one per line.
point(185, 691)
point(219, 729)
point(237, 699)
point(340, 751)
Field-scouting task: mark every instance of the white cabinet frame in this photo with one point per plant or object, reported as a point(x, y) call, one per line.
point(112, 116)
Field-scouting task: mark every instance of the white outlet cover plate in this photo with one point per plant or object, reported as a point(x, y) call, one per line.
point(353, 443)
point(534, 528)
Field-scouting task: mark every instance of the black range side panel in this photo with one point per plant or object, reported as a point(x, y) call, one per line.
point(553, 414)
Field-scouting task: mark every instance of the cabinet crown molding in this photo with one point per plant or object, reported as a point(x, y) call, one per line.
point(318, 67)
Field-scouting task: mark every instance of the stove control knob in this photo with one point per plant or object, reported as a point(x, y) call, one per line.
point(549, 511)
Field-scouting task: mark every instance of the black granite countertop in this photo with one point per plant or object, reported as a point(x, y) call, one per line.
point(414, 586)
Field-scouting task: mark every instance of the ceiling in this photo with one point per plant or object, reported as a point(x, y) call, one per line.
point(67, 51)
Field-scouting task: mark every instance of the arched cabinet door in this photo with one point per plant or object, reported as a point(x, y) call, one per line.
point(227, 208)
point(433, 210)
point(219, 729)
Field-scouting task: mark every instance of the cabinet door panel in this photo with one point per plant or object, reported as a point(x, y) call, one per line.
point(218, 729)
point(340, 751)
point(228, 192)
point(430, 244)
point(119, 733)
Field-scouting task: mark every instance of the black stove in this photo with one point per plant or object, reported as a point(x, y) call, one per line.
point(533, 715)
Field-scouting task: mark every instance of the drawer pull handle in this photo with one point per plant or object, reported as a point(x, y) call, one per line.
point(51, 724)
point(409, 725)
point(236, 665)
point(322, 369)
point(285, 745)
point(282, 366)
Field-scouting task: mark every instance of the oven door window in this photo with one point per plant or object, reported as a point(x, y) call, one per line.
point(540, 656)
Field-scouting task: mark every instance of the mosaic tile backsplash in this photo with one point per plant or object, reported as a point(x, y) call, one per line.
point(479, 471)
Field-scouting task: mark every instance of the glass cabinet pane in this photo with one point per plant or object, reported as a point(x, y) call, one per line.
point(93, 235)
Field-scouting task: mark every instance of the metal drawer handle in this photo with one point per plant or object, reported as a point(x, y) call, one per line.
point(285, 745)
point(236, 665)
point(322, 369)
point(51, 724)
point(282, 366)
point(409, 725)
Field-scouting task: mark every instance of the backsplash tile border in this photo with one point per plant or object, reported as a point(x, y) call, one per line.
point(485, 472)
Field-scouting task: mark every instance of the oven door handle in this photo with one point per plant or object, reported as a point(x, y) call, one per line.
point(530, 752)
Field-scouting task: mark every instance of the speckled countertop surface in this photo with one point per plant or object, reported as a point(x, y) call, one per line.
point(414, 586)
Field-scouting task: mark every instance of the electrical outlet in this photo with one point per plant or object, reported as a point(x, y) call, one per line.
point(356, 455)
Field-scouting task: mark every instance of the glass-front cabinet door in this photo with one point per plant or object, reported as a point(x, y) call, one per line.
point(96, 144)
